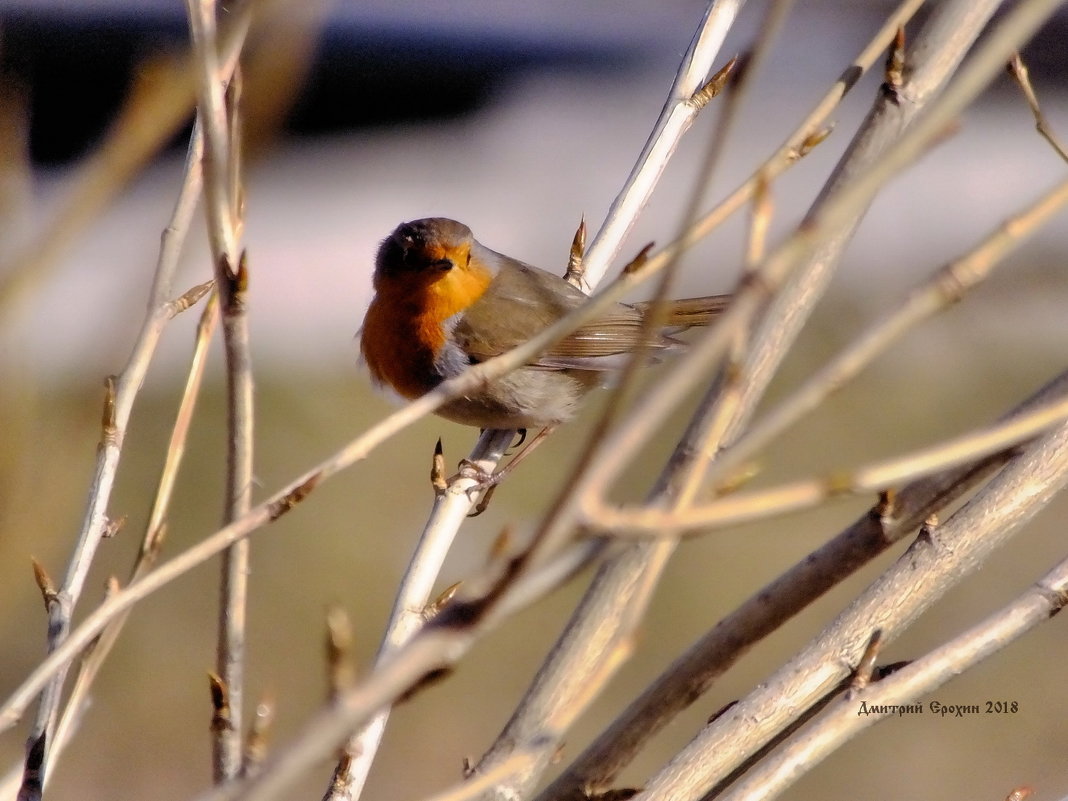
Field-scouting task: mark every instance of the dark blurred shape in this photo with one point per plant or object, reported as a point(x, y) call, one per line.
point(77, 67)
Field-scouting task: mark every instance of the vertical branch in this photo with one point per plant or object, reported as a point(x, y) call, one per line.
point(120, 395)
point(407, 616)
point(218, 112)
point(678, 114)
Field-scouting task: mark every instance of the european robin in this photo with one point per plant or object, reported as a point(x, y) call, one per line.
point(443, 302)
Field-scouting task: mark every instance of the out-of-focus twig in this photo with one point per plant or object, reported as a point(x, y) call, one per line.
point(1018, 70)
point(218, 97)
point(159, 103)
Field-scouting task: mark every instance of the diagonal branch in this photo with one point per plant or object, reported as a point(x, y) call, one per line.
point(694, 672)
point(938, 559)
point(858, 710)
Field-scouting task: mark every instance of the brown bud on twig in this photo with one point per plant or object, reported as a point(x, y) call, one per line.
point(862, 676)
point(575, 267)
point(886, 506)
point(431, 610)
point(714, 86)
point(258, 736)
point(109, 430)
point(44, 584)
point(189, 298)
point(293, 497)
point(341, 673)
point(220, 704)
point(814, 140)
point(636, 263)
point(895, 66)
point(113, 526)
point(437, 470)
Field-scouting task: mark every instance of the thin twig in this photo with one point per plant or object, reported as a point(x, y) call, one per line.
point(873, 477)
point(218, 94)
point(171, 242)
point(936, 294)
point(944, 38)
point(434, 648)
point(121, 393)
point(943, 289)
point(151, 545)
point(1018, 70)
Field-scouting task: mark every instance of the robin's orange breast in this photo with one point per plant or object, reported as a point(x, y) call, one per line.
point(401, 353)
point(405, 333)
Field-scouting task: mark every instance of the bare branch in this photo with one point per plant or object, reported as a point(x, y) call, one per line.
point(677, 116)
point(218, 94)
point(898, 693)
point(902, 593)
point(1018, 70)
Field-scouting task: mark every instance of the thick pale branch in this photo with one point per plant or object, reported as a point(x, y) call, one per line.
point(936, 562)
point(694, 671)
point(857, 710)
point(875, 477)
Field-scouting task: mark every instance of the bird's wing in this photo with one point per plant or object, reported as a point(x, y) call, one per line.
point(522, 301)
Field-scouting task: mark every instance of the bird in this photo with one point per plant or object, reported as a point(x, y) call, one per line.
point(443, 302)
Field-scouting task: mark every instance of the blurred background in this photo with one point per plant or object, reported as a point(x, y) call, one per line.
point(517, 120)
